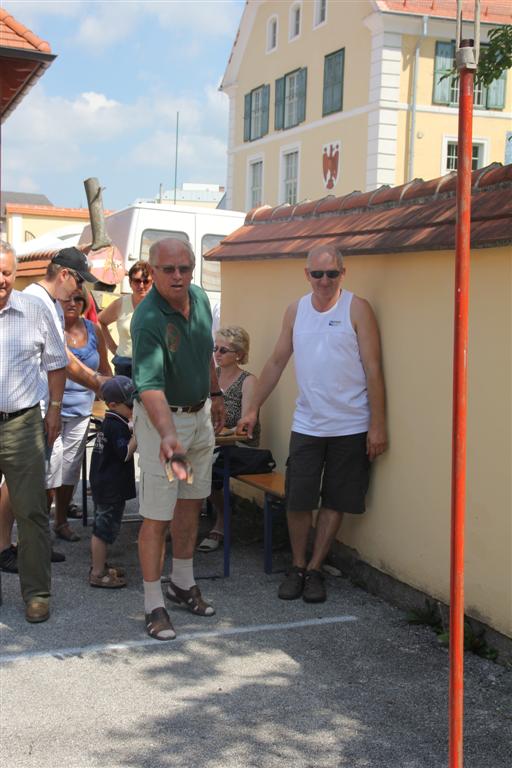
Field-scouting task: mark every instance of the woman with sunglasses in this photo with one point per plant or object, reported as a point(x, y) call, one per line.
point(231, 350)
point(85, 340)
point(120, 312)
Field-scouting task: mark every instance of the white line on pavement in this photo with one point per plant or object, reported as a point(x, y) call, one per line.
point(62, 653)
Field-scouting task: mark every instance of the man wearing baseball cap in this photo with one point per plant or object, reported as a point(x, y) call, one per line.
point(65, 273)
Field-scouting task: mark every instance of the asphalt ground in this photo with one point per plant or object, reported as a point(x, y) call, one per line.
point(262, 683)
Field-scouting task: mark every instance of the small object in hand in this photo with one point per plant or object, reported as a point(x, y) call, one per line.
point(179, 458)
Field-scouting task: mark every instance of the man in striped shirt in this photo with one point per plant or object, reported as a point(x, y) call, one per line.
point(29, 344)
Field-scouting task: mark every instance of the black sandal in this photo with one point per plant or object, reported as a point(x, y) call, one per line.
point(157, 622)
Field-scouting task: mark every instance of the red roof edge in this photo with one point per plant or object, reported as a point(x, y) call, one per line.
point(22, 31)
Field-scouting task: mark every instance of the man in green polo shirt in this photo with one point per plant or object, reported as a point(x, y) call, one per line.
point(179, 407)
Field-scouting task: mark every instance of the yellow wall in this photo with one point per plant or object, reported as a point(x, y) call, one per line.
point(344, 29)
point(406, 530)
point(39, 225)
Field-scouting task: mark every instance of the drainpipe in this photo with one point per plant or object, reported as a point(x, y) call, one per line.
point(412, 137)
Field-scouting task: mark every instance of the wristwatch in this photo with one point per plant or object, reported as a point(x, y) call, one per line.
point(56, 403)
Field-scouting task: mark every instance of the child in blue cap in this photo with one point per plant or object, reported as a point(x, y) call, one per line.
point(112, 478)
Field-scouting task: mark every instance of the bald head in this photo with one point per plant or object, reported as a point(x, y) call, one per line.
point(330, 250)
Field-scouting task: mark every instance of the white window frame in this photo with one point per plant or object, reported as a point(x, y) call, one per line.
point(256, 114)
point(316, 12)
point(291, 21)
point(447, 139)
point(272, 20)
point(252, 160)
point(292, 104)
point(286, 150)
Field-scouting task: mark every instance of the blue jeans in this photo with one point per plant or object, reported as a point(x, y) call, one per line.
point(107, 521)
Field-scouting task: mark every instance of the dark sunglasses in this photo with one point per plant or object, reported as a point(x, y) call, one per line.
point(74, 300)
point(170, 269)
point(332, 274)
point(223, 350)
point(140, 281)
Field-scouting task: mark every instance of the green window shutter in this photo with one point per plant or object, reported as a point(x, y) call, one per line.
point(333, 82)
point(443, 64)
point(247, 117)
point(301, 92)
point(265, 109)
point(279, 105)
point(496, 92)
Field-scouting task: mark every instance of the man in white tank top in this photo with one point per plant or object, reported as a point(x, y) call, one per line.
point(339, 424)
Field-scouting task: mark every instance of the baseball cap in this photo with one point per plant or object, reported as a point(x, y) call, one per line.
point(72, 258)
point(118, 389)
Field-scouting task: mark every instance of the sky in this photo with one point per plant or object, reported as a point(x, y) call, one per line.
point(107, 105)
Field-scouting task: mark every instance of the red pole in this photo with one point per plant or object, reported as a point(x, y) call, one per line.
point(460, 357)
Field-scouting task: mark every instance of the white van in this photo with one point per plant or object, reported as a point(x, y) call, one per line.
point(136, 228)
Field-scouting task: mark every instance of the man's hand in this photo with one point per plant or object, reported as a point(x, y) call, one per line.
point(169, 445)
point(376, 441)
point(52, 424)
point(247, 423)
point(218, 414)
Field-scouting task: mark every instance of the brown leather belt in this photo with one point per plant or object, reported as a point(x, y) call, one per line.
point(187, 408)
point(13, 414)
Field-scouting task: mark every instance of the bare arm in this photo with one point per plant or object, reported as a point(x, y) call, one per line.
point(160, 416)
point(81, 374)
point(52, 422)
point(106, 317)
point(271, 372)
point(132, 447)
point(368, 337)
point(218, 412)
point(104, 367)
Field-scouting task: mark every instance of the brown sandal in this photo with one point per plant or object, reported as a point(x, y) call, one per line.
point(158, 622)
point(63, 531)
point(190, 599)
point(107, 580)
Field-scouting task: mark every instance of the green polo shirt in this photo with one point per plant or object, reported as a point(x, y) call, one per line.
point(171, 353)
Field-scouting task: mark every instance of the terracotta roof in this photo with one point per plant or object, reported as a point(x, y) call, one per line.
point(23, 58)
point(418, 216)
point(49, 211)
point(21, 198)
point(491, 11)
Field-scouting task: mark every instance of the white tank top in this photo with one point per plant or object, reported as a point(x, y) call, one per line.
point(124, 320)
point(333, 397)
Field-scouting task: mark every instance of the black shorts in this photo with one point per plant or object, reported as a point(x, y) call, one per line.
point(335, 470)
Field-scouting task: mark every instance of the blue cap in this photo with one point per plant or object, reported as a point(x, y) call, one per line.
point(118, 389)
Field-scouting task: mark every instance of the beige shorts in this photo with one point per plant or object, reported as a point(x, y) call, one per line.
point(158, 496)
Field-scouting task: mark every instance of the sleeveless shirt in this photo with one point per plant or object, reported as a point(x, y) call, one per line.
point(233, 407)
point(77, 400)
point(124, 348)
point(333, 397)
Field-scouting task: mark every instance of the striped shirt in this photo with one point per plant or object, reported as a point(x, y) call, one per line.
point(29, 344)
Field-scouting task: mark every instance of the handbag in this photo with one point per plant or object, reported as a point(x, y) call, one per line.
point(246, 461)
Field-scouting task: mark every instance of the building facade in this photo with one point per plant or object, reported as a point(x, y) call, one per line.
point(329, 97)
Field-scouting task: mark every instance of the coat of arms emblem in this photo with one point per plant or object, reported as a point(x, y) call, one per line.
point(331, 163)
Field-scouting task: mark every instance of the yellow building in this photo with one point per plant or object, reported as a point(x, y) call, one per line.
point(399, 248)
point(326, 97)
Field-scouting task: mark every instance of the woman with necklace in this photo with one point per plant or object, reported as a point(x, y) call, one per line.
point(231, 350)
point(121, 312)
point(85, 340)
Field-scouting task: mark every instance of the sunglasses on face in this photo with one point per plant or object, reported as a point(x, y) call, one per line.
point(170, 269)
point(141, 281)
point(222, 350)
point(74, 300)
point(317, 274)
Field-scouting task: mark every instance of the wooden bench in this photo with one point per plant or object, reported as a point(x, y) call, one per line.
point(273, 486)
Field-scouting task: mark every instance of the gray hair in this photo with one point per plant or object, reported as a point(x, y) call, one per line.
point(6, 247)
point(174, 242)
point(332, 249)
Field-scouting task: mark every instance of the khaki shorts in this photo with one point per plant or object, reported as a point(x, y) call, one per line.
point(158, 496)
